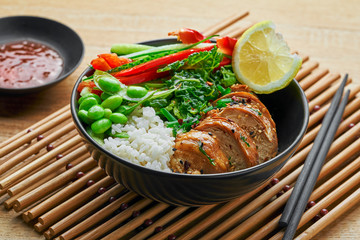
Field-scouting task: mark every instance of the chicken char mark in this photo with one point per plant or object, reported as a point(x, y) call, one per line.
point(252, 120)
point(237, 145)
point(197, 152)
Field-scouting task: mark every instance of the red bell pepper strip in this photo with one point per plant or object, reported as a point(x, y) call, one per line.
point(151, 74)
point(226, 45)
point(113, 60)
point(89, 84)
point(187, 35)
point(225, 61)
point(100, 64)
point(160, 61)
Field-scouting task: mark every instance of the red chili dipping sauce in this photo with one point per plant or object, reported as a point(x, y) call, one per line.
point(26, 64)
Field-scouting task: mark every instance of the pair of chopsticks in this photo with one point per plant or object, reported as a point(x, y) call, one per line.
point(305, 183)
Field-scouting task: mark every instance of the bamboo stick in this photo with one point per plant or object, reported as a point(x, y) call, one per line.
point(22, 163)
point(330, 166)
point(242, 213)
point(160, 222)
point(34, 126)
point(84, 210)
point(334, 214)
point(121, 231)
point(236, 33)
point(320, 191)
point(310, 135)
point(339, 143)
point(52, 185)
point(5, 190)
point(97, 217)
point(35, 148)
point(325, 202)
point(219, 213)
point(74, 202)
point(224, 24)
point(326, 95)
point(65, 193)
point(321, 85)
point(10, 202)
point(312, 78)
point(183, 222)
point(264, 213)
point(39, 162)
point(306, 70)
point(45, 171)
point(113, 222)
point(30, 159)
point(317, 116)
point(33, 134)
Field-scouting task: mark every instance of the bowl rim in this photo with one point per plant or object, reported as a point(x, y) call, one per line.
point(182, 175)
point(64, 74)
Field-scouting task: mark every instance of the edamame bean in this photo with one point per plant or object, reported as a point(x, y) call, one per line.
point(118, 118)
point(96, 112)
point(108, 84)
point(88, 103)
point(83, 115)
point(136, 91)
point(121, 135)
point(101, 125)
point(105, 95)
point(89, 95)
point(107, 112)
point(112, 102)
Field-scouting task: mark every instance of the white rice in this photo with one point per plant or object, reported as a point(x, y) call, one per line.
point(150, 142)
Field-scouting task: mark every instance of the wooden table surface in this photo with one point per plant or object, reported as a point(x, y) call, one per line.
point(326, 30)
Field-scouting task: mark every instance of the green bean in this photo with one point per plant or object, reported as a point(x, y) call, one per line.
point(122, 49)
point(107, 112)
point(136, 91)
point(105, 95)
point(89, 95)
point(96, 112)
point(88, 103)
point(83, 115)
point(112, 102)
point(118, 118)
point(109, 84)
point(168, 115)
point(101, 125)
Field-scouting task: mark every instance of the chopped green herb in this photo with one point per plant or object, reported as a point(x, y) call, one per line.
point(222, 102)
point(201, 149)
point(257, 111)
point(244, 140)
point(229, 161)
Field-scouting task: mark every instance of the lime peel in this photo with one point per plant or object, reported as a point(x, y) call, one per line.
point(262, 59)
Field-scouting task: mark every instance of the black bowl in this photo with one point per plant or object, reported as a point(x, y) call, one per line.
point(51, 33)
point(290, 112)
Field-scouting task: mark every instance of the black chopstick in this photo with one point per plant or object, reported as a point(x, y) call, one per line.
point(311, 181)
point(309, 162)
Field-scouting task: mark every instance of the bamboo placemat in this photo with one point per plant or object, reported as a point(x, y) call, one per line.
point(47, 174)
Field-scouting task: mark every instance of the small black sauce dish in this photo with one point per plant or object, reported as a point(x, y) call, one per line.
point(290, 111)
point(51, 33)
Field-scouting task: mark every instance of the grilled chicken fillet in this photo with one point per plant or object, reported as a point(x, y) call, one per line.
point(197, 152)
